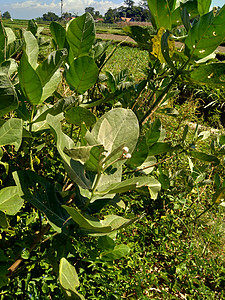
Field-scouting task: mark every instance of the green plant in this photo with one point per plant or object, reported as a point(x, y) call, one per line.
point(105, 150)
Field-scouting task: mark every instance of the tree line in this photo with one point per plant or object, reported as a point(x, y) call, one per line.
point(128, 10)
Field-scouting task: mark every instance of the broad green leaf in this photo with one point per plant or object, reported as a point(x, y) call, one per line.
point(81, 34)
point(3, 37)
point(88, 155)
point(10, 35)
point(210, 74)
point(204, 6)
point(58, 33)
point(3, 220)
point(160, 148)
point(140, 35)
point(29, 81)
point(69, 280)
point(82, 74)
point(78, 115)
point(155, 133)
point(161, 12)
point(8, 96)
point(131, 184)
point(51, 85)
point(45, 199)
point(139, 154)
point(106, 242)
point(11, 133)
point(116, 127)
point(74, 168)
point(149, 161)
point(118, 252)
point(32, 27)
point(50, 65)
point(191, 8)
point(206, 35)
point(185, 18)
point(93, 225)
point(86, 221)
point(205, 157)
point(10, 200)
point(31, 49)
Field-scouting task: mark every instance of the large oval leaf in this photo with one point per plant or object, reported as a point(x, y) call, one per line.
point(29, 81)
point(10, 200)
point(32, 48)
point(81, 34)
point(82, 74)
point(69, 280)
point(11, 133)
point(206, 35)
point(211, 74)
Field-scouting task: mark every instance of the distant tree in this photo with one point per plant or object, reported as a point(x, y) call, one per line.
point(91, 10)
point(66, 15)
point(129, 3)
point(50, 16)
point(6, 15)
point(110, 16)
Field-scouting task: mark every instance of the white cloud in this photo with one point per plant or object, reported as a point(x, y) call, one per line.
point(32, 9)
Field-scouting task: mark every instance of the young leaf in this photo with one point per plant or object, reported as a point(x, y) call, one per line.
point(77, 115)
point(10, 35)
point(31, 49)
point(29, 81)
point(118, 252)
point(58, 33)
point(11, 133)
point(10, 200)
point(81, 34)
point(50, 65)
point(205, 35)
point(51, 85)
point(69, 280)
point(82, 74)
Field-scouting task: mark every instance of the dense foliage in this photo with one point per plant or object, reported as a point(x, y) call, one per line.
point(86, 162)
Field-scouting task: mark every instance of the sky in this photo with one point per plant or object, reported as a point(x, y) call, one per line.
point(31, 9)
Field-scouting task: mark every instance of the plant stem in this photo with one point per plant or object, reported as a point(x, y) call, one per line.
point(159, 100)
point(38, 238)
point(93, 191)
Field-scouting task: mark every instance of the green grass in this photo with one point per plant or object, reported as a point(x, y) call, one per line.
point(129, 58)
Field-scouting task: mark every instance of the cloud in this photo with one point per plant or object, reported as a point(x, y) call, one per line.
point(32, 9)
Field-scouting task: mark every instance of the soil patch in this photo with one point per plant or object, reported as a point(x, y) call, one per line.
point(125, 38)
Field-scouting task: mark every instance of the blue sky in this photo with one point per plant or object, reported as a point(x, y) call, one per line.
point(28, 9)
